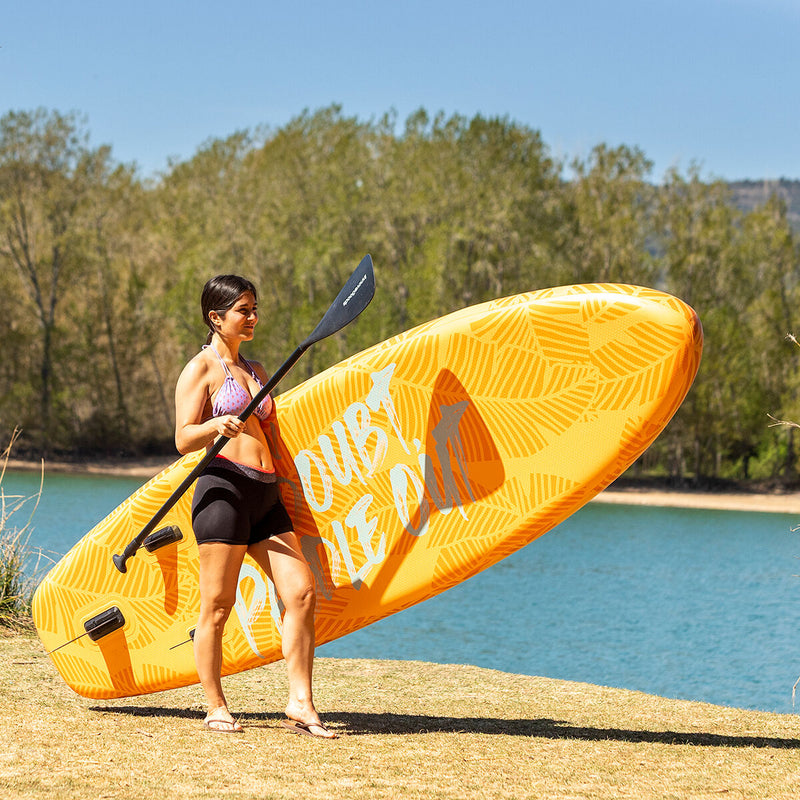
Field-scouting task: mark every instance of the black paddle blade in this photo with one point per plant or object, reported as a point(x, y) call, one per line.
point(349, 303)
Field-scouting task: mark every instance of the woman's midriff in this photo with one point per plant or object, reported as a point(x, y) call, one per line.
point(250, 448)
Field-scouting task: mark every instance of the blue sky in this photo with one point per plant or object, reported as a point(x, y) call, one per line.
point(716, 82)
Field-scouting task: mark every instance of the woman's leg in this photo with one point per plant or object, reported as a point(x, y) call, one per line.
point(219, 572)
point(282, 560)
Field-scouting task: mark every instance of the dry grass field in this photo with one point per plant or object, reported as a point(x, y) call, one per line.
point(407, 730)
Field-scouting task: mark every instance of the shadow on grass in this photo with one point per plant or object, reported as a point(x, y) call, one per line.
point(355, 724)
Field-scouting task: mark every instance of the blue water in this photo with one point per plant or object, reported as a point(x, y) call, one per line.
point(699, 605)
point(69, 506)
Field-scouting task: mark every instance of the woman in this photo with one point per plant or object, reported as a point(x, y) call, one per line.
point(236, 507)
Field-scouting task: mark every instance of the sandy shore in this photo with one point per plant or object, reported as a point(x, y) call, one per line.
point(144, 468)
point(788, 503)
point(775, 503)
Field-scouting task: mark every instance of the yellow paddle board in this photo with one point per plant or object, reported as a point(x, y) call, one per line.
point(406, 469)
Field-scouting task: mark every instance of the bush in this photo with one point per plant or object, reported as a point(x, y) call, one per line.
point(16, 586)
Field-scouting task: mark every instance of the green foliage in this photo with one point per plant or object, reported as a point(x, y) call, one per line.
point(16, 587)
point(15, 597)
point(100, 274)
point(609, 208)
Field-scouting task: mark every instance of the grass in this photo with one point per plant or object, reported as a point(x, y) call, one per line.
point(408, 730)
point(16, 584)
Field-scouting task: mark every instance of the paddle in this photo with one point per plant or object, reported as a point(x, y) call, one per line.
point(353, 298)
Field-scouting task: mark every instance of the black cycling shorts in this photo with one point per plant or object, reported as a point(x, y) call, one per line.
point(237, 504)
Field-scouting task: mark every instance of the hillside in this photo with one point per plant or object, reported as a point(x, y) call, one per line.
point(747, 195)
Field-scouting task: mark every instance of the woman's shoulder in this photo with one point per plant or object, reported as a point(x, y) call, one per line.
point(198, 367)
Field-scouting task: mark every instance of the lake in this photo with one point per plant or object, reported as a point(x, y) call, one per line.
point(691, 604)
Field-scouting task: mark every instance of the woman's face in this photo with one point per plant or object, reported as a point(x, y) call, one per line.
point(239, 321)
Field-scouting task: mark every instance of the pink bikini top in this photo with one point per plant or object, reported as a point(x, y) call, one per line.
point(232, 397)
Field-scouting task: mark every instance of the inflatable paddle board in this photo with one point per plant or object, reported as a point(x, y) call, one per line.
point(406, 469)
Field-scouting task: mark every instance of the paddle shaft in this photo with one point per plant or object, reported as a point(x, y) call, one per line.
point(130, 549)
point(353, 298)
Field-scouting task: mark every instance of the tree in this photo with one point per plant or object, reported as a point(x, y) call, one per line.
point(703, 263)
point(500, 241)
point(43, 185)
point(119, 397)
point(772, 258)
point(607, 232)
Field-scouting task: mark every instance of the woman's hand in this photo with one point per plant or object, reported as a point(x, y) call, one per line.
point(229, 425)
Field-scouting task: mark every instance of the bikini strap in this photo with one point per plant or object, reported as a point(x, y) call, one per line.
point(224, 365)
point(249, 368)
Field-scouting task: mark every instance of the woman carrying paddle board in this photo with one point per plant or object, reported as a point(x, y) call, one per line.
point(236, 508)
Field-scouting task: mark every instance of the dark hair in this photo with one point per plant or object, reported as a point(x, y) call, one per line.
point(220, 294)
